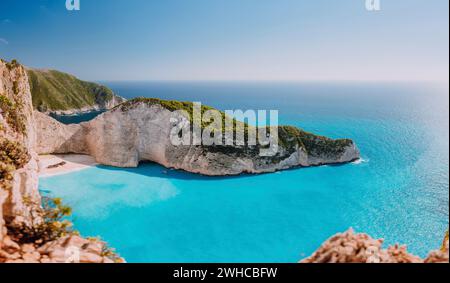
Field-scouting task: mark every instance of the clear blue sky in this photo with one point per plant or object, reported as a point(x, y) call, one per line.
point(230, 39)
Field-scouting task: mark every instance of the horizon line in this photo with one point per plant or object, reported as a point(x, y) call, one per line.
point(435, 81)
point(271, 81)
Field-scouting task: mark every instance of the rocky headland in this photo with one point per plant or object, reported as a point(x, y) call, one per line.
point(139, 130)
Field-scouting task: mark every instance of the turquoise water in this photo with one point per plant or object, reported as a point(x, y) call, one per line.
point(400, 191)
point(77, 118)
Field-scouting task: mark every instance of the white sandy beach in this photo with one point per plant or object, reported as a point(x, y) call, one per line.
point(63, 164)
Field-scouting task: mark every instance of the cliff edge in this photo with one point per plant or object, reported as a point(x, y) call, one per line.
point(140, 130)
point(30, 232)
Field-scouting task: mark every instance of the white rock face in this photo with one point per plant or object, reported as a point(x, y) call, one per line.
point(350, 247)
point(54, 138)
point(68, 249)
point(20, 198)
point(142, 133)
point(24, 197)
point(3, 196)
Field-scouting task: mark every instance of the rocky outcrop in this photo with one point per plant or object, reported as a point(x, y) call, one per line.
point(17, 130)
point(349, 247)
point(55, 137)
point(3, 231)
point(69, 249)
point(20, 201)
point(140, 130)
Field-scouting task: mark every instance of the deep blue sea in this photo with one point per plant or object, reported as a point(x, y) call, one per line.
point(76, 118)
point(399, 192)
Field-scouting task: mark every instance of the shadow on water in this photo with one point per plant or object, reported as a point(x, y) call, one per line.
point(152, 169)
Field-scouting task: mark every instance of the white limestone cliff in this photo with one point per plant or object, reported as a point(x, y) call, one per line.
point(20, 200)
point(142, 133)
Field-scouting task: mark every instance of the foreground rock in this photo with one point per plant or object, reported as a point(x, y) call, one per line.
point(349, 247)
point(20, 201)
point(70, 249)
point(139, 130)
point(18, 159)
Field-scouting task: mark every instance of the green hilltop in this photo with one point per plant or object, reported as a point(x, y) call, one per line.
point(289, 137)
point(57, 91)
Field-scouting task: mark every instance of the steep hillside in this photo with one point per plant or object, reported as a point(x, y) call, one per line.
point(54, 91)
point(32, 228)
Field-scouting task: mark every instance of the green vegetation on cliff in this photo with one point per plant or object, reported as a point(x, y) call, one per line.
point(11, 113)
point(290, 137)
point(53, 90)
point(313, 144)
point(13, 156)
point(174, 105)
point(54, 224)
point(11, 65)
point(444, 246)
